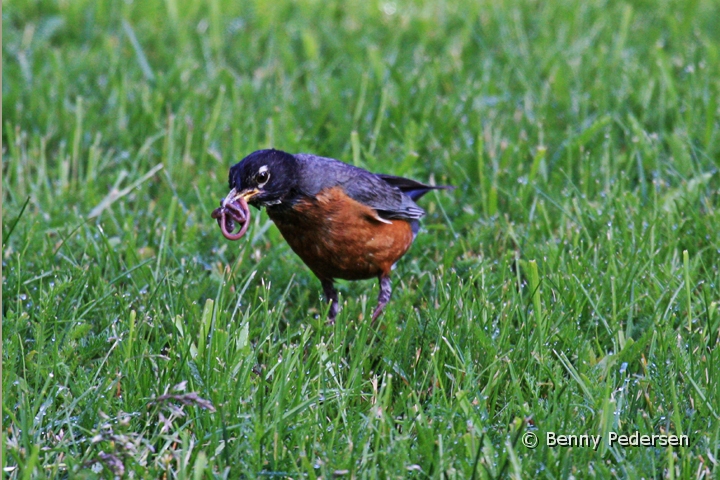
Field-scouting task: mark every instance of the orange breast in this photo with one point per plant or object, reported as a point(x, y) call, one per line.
point(338, 237)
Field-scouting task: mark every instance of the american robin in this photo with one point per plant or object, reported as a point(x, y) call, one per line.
point(342, 221)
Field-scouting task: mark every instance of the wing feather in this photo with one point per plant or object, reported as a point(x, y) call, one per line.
point(365, 187)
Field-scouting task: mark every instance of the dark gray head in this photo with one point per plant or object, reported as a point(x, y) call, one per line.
point(265, 177)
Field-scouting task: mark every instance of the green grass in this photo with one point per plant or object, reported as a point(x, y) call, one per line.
point(570, 284)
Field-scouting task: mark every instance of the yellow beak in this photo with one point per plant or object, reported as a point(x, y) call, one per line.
point(247, 194)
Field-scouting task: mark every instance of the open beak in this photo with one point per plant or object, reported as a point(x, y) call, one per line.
point(246, 194)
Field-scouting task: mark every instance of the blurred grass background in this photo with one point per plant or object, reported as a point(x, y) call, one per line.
point(570, 284)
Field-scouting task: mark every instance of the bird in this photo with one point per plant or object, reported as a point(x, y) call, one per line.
point(343, 221)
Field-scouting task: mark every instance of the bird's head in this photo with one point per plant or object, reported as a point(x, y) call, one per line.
point(263, 178)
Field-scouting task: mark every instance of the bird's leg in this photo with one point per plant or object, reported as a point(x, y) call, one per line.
point(383, 296)
point(332, 298)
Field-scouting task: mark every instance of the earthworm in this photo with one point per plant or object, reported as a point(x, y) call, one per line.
point(227, 215)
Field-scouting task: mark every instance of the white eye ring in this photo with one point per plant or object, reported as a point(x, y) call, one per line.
point(263, 176)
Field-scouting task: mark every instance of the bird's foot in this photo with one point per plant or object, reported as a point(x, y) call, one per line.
point(332, 298)
point(383, 297)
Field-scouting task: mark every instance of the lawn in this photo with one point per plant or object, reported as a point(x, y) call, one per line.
point(570, 285)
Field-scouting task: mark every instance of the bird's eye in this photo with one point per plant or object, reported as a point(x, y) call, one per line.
point(262, 177)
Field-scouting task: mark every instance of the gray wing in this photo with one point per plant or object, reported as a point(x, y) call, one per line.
point(365, 187)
